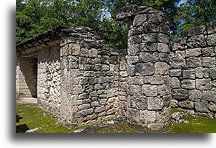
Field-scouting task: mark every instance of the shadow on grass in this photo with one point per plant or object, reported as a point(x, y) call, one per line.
point(21, 128)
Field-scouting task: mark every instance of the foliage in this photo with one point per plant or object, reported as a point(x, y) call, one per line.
point(195, 13)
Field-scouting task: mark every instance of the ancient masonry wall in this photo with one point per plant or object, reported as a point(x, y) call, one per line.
point(148, 90)
point(49, 78)
point(26, 81)
point(192, 70)
point(90, 79)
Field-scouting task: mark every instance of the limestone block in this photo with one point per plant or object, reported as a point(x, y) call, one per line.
point(174, 82)
point(209, 95)
point(186, 104)
point(86, 112)
point(211, 40)
point(212, 107)
point(150, 37)
point(180, 94)
point(201, 107)
point(139, 19)
point(194, 52)
point(189, 74)
point(136, 39)
point(155, 79)
point(99, 109)
point(163, 47)
point(132, 115)
point(135, 80)
point(188, 84)
point(208, 51)
point(208, 62)
point(212, 73)
point(148, 57)
point(164, 57)
point(93, 53)
point(194, 94)
point(84, 106)
point(161, 68)
point(144, 69)
point(134, 90)
point(163, 90)
point(203, 84)
point(147, 116)
point(199, 72)
point(132, 59)
point(75, 49)
point(193, 62)
point(149, 90)
point(155, 103)
point(148, 46)
point(163, 38)
point(175, 72)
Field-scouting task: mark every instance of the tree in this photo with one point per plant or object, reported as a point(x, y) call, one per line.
point(194, 13)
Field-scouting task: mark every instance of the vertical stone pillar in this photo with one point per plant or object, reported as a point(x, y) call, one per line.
point(148, 91)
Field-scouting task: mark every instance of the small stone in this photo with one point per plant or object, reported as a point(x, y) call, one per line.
point(201, 107)
point(93, 53)
point(211, 40)
point(212, 74)
point(173, 103)
point(99, 109)
point(199, 72)
point(84, 106)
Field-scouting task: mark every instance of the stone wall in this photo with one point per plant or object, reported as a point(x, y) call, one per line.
point(90, 79)
point(26, 81)
point(192, 70)
point(49, 79)
point(148, 91)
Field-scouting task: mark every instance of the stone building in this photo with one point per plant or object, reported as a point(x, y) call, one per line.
point(72, 72)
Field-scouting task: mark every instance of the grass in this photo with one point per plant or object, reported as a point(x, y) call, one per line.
point(31, 117)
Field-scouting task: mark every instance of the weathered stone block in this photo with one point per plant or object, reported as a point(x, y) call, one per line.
point(194, 52)
point(194, 94)
point(86, 112)
point(188, 84)
point(150, 37)
point(208, 61)
point(199, 72)
point(193, 62)
point(203, 84)
point(149, 90)
point(155, 79)
point(189, 74)
point(211, 40)
point(99, 109)
point(155, 103)
point(93, 53)
point(132, 59)
point(163, 90)
point(134, 90)
point(163, 47)
point(139, 19)
point(212, 73)
point(209, 51)
point(174, 82)
point(163, 38)
point(148, 46)
point(133, 115)
point(175, 72)
point(147, 116)
point(209, 96)
point(186, 104)
point(180, 94)
point(148, 57)
point(201, 107)
point(161, 68)
point(84, 106)
point(144, 69)
point(133, 49)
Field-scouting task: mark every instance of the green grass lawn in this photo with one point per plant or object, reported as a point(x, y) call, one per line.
point(31, 117)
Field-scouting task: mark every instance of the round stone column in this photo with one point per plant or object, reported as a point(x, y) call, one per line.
point(148, 91)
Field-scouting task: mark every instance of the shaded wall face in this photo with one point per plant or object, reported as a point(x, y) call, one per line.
point(90, 80)
point(26, 77)
point(49, 78)
point(192, 72)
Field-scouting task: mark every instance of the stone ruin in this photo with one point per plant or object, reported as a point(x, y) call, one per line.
point(73, 74)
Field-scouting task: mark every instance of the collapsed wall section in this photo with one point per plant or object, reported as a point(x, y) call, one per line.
point(148, 90)
point(192, 70)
